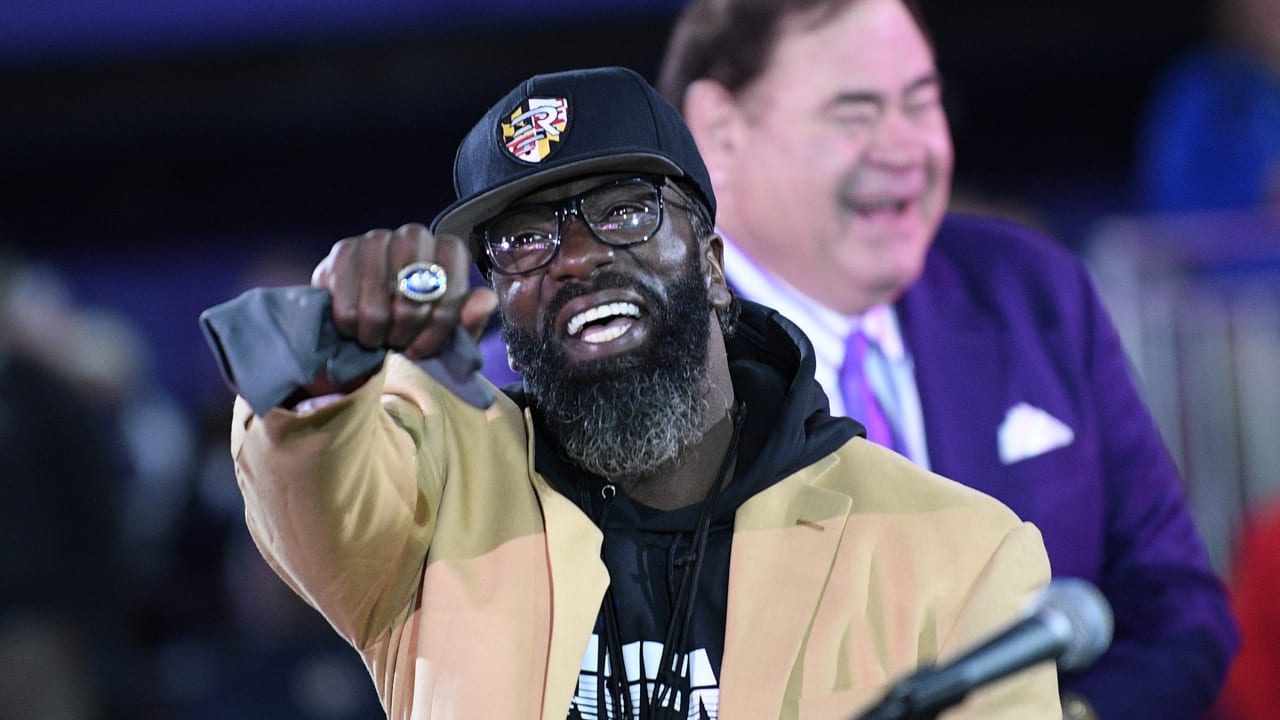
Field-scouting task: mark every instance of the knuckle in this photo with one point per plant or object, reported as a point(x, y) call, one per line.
point(427, 342)
point(412, 228)
point(341, 249)
point(410, 314)
point(452, 241)
point(345, 316)
point(445, 314)
point(374, 316)
point(320, 275)
point(412, 237)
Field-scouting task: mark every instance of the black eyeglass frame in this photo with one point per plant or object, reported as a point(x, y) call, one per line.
point(572, 205)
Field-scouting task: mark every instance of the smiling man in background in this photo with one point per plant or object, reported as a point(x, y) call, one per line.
point(975, 347)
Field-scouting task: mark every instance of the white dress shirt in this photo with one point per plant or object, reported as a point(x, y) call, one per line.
point(890, 372)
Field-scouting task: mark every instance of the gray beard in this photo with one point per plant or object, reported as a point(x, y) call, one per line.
point(625, 428)
point(624, 418)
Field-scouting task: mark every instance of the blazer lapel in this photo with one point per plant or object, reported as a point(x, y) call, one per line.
point(961, 374)
point(784, 544)
point(578, 581)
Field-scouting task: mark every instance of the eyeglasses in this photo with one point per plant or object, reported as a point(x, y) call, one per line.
point(618, 213)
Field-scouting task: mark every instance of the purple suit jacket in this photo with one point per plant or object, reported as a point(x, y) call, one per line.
point(1004, 316)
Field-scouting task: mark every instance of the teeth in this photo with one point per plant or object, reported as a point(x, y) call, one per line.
point(577, 322)
point(602, 335)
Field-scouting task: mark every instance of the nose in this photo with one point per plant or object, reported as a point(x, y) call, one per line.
point(896, 142)
point(581, 252)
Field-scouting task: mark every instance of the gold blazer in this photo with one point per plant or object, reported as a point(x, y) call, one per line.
point(417, 525)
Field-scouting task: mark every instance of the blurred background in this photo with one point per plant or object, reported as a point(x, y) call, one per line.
point(164, 155)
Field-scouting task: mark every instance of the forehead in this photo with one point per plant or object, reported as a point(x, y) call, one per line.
point(869, 45)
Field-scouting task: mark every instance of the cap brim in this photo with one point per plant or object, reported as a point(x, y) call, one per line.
point(459, 218)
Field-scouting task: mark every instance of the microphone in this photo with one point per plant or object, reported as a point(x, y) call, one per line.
point(1070, 623)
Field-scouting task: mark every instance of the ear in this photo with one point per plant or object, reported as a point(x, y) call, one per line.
point(511, 362)
point(717, 281)
point(715, 121)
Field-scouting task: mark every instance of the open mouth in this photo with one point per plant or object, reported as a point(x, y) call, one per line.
point(602, 323)
point(890, 207)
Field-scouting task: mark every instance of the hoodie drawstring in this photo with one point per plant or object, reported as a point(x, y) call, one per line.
point(681, 621)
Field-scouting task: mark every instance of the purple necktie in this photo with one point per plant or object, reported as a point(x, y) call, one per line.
point(859, 402)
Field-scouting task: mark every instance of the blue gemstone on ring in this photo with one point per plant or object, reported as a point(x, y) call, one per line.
point(422, 281)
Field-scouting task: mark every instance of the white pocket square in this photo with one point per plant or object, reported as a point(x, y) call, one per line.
point(1028, 431)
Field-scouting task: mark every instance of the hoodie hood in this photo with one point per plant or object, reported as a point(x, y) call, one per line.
point(773, 367)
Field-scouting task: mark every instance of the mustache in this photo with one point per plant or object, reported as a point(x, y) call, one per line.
point(604, 280)
point(860, 182)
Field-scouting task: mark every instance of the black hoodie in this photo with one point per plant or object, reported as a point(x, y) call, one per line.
point(783, 426)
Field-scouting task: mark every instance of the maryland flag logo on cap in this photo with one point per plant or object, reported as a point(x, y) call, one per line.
point(535, 128)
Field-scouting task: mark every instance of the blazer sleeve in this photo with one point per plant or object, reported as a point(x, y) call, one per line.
point(1174, 633)
point(342, 502)
point(1017, 570)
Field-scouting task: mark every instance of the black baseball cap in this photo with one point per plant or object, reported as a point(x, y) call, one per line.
point(564, 125)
